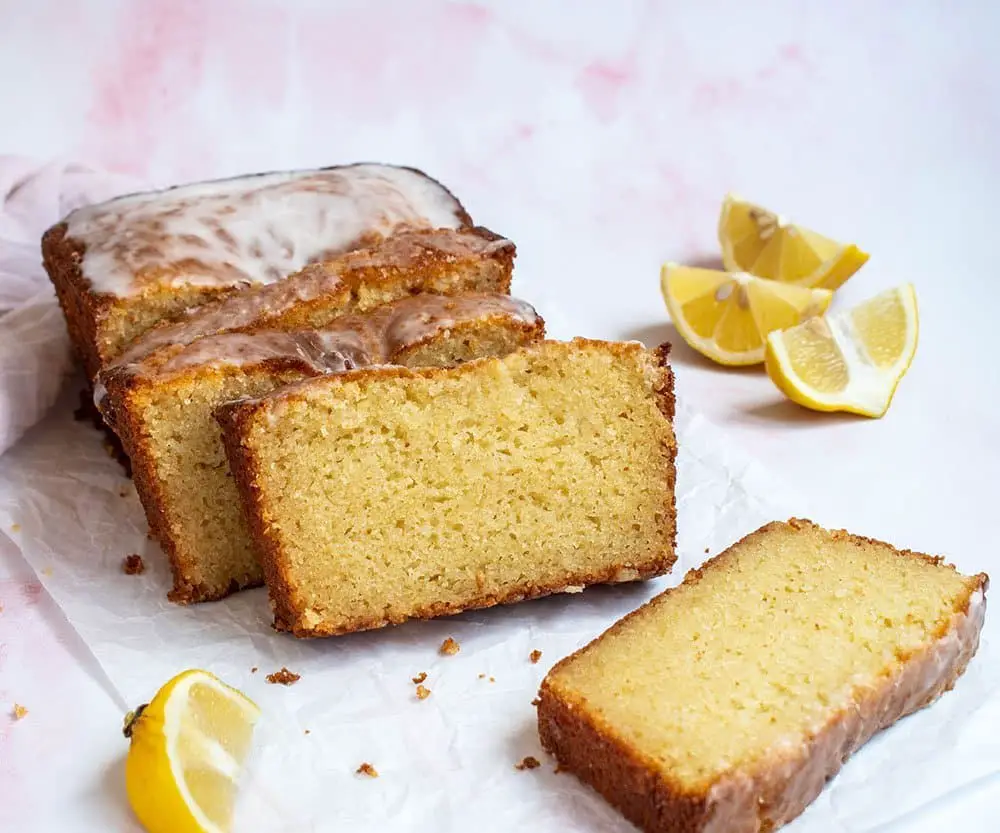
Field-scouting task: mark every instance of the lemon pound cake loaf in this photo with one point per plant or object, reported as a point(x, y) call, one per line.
point(388, 493)
point(121, 266)
point(162, 410)
point(727, 703)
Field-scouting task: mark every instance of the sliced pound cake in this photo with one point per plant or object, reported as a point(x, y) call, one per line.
point(443, 261)
point(387, 494)
point(121, 266)
point(725, 704)
point(162, 409)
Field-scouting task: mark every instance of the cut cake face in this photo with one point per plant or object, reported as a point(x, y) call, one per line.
point(728, 702)
point(121, 266)
point(385, 494)
point(161, 407)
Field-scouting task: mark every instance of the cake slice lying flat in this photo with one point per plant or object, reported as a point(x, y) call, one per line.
point(726, 703)
point(123, 265)
point(387, 494)
point(161, 408)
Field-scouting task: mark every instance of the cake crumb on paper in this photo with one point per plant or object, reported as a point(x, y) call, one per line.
point(534, 656)
point(536, 702)
point(530, 762)
point(420, 677)
point(449, 647)
point(367, 769)
point(19, 712)
point(307, 732)
point(133, 565)
point(46, 571)
point(283, 677)
point(423, 692)
point(493, 679)
point(706, 550)
point(15, 527)
point(253, 670)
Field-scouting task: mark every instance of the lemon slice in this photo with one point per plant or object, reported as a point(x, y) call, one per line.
point(727, 315)
point(851, 360)
point(186, 754)
point(765, 244)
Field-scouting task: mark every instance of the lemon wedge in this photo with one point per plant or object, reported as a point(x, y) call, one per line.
point(186, 754)
point(727, 315)
point(765, 244)
point(848, 361)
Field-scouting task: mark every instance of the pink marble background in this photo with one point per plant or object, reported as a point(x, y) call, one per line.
point(601, 137)
point(668, 104)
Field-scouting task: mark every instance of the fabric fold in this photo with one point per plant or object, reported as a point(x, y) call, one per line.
point(34, 347)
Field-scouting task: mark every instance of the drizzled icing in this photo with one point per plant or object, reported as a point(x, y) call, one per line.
point(253, 229)
point(377, 337)
point(262, 305)
point(323, 351)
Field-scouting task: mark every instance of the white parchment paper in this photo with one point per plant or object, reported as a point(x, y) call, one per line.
point(446, 763)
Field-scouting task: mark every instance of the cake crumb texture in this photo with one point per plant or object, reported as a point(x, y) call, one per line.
point(500, 480)
point(534, 656)
point(283, 677)
point(728, 702)
point(423, 692)
point(449, 647)
point(367, 769)
point(420, 677)
point(133, 565)
point(529, 762)
point(19, 712)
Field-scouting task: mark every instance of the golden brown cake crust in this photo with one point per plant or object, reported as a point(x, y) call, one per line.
point(123, 409)
point(389, 334)
point(780, 788)
point(442, 261)
point(100, 324)
point(423, 270)
point(236, 418)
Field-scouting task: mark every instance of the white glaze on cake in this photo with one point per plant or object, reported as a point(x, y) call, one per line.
point(260, 305)
point(351, 341)
point(254, 229)
point(367, 340)
point(324, 351)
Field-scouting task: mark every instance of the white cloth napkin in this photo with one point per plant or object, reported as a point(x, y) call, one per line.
point(34, 347)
